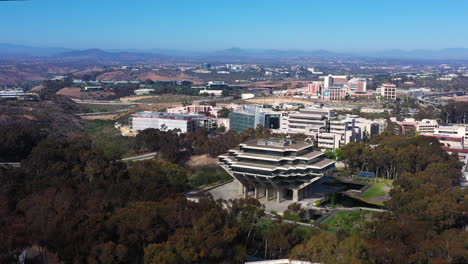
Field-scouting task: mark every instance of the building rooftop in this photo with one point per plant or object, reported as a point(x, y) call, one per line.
point(307, 156)
point(276, 144)
point(164, 115)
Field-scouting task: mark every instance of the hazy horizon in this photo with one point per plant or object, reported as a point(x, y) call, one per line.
point(340, 26)
point(222, 49)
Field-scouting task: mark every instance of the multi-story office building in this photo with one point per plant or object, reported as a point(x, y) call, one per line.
point(357, 85)
point(307, 121)
point(334, 92)
point(454, 139)
point(253, 116)
point(388, 91)
point(278, 169)
point(322, 126)
point(158, 120)
point(338, 133)
point(427, 126)
point(334, 80)
point(195, 109)
point(424, 126)
point(315, 88)
point(369, 128)
point(240, 121)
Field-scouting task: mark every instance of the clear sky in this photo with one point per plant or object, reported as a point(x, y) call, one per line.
point(346, 25)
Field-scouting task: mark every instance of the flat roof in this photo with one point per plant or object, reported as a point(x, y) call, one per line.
point(307, 156)
point(164, 115)
point(276, 144)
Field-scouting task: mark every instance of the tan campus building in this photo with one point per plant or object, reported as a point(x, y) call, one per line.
point(276, 168)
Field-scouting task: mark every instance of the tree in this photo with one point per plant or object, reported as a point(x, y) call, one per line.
point(211, 240)
point(319, 248)
point(108, 253)
point(138, 225)
point(430, 196)
point(224, 113)
point(19, 137)
point(13, 233)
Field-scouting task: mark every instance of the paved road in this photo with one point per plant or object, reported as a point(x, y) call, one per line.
point(102, 102)
point(115, 102)
point(104, 113)
point(10, 164)
point(141, 157)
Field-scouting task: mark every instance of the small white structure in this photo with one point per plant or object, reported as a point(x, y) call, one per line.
point(211, 92)
point(245, 96)
point(223, 122)
point(143, 91)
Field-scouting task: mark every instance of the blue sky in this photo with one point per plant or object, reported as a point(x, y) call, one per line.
point(347, 25)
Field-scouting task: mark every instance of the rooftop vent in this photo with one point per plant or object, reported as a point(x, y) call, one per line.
point(275, 142)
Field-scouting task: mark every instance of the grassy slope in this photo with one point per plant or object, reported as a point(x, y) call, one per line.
point(377, 190)
point(350, 221)
point(93, 108)
point(105, 136)
point(208, 175)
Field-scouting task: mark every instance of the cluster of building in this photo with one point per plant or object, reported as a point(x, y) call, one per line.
point(321, 125)
point(18, 95)
point(165, 121)
point(185, 118)
point(339, 87)
point(454, 137)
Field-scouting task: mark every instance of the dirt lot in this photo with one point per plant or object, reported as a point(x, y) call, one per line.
point(202, 160)
point(99, 117)
point(73, 92)
point(135, 98)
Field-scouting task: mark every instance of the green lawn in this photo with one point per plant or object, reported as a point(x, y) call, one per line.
point(350, 221)
point(93, 108)
point(377, 190)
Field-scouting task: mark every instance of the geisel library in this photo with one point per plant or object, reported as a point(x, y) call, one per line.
point(280, 169)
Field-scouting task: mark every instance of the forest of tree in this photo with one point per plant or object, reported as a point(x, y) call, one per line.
point(395, 155)
point(74, 201)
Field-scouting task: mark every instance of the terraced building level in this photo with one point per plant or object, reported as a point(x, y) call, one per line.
point(280, 169)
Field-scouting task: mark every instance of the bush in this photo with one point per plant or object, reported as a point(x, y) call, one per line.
point(292, 217)
point(207, 176)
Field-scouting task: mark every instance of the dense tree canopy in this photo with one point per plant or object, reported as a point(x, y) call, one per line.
point(86, 207)
point(395, 155)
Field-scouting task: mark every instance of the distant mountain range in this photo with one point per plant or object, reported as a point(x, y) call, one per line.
point(20, 50)
point(106, 57)
point(160, 55)
point(443, 54)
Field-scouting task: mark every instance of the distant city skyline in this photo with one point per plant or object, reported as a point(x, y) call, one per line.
point(339, 26)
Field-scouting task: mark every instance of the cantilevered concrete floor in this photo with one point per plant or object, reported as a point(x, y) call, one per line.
point(316, 191)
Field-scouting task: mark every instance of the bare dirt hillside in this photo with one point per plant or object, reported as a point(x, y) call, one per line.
point(55, 116)
point(116, 76)
point(15, 73)
point(165, 76)
point(74, 92)
point(37, 89)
